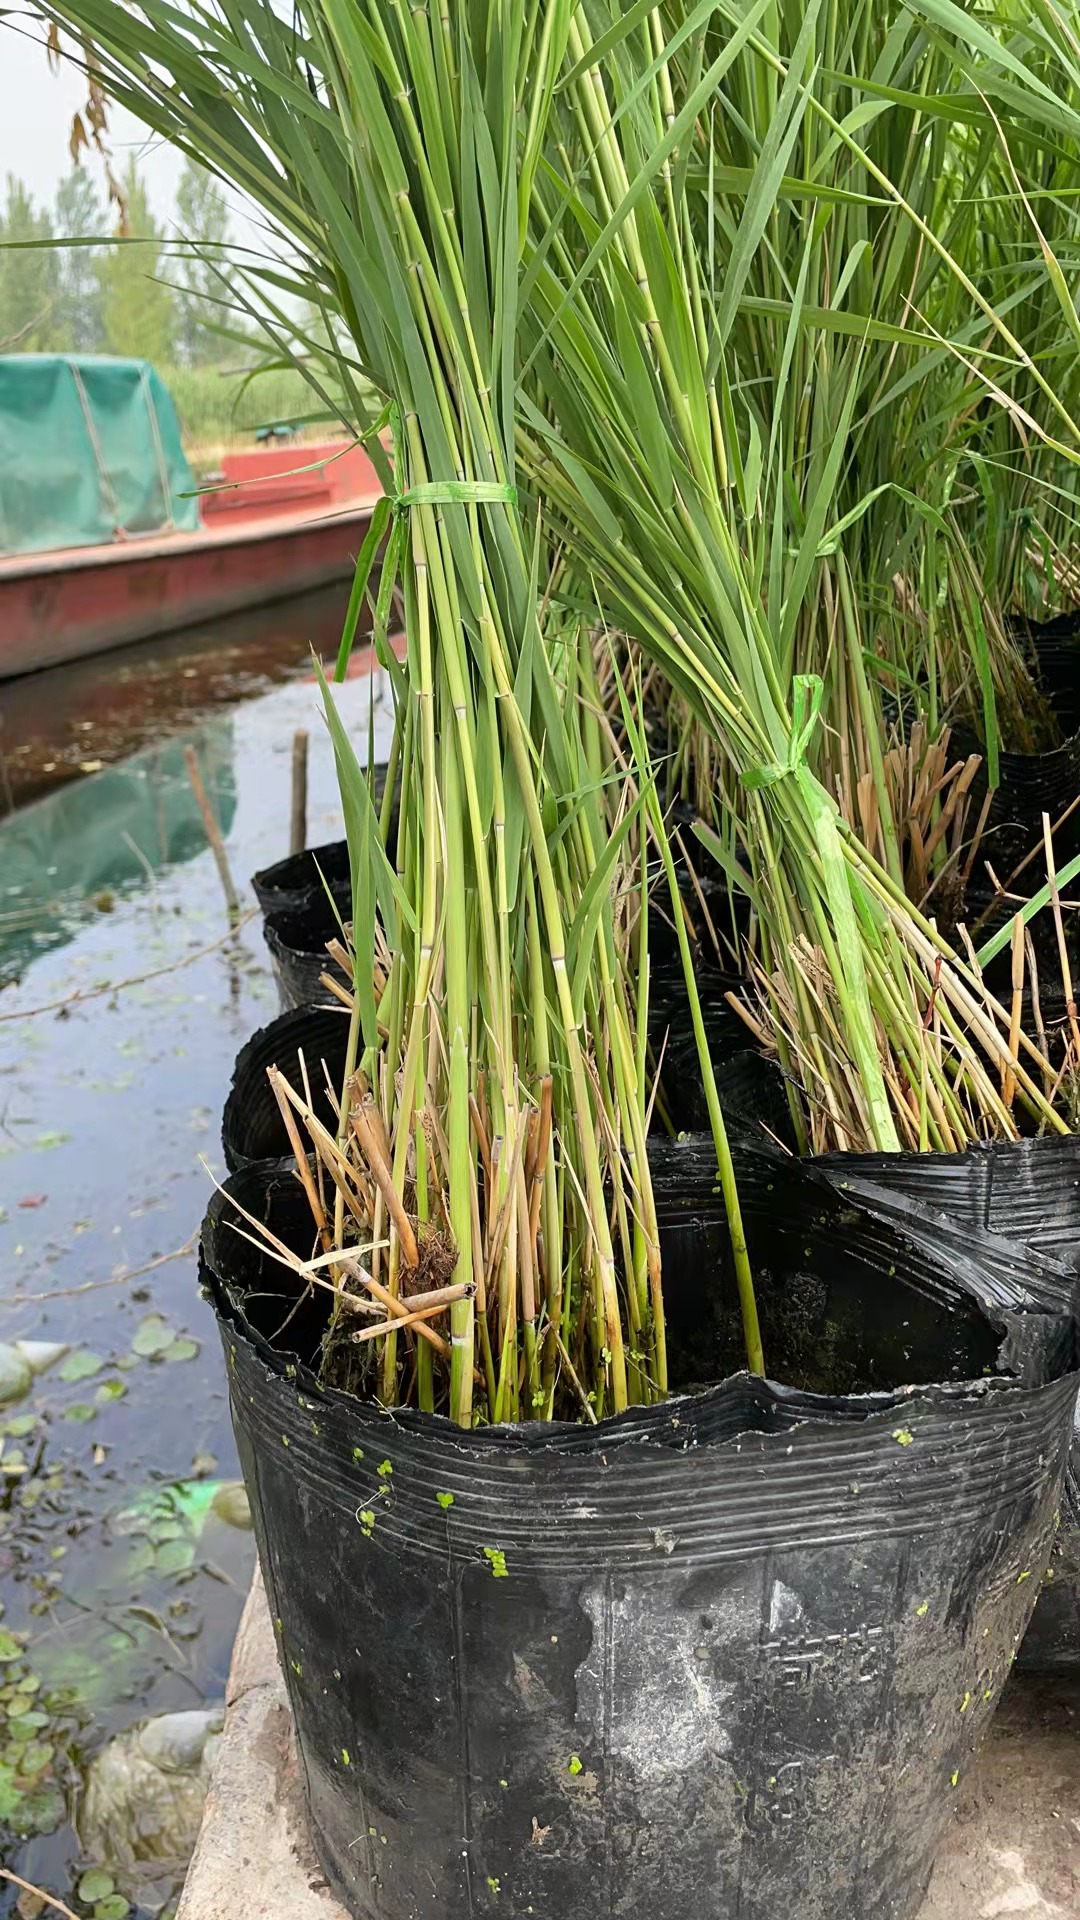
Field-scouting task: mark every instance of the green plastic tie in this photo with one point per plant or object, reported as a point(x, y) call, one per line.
point(446, 493)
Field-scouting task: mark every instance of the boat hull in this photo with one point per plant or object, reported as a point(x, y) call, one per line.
point(65, 605)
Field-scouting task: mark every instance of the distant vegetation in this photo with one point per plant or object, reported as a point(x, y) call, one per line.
point(134, 296)
point(214, 405)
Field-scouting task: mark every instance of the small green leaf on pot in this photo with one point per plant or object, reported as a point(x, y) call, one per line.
point(358, 1453)
point(152, 1336)
point(384, 1469)
point(81, 1365)
point(345, 1761)
point(445, 1500)
point(493, 1884)
point(497, 1561)
point(184, 1349)
point(921, 1612)
point(367, 1521)
point(575, 1765)
point(903, 1437)
point(10, 1648)
point(1021, 1577)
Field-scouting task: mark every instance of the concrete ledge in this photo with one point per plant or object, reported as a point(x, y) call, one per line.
point(1013, 1848)
point(253, 1859)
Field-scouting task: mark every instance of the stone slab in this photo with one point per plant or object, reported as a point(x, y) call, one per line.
point(1013, 1847)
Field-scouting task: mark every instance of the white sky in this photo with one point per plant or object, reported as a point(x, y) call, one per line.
point(36, 107)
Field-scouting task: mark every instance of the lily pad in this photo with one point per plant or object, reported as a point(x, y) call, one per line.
point(181, 1350)
point(41, 1811)
point(23, 1726)
point(36, 1757)
point(81, 1411)
point(230, 1503)
point(80, 1365)
point(95, 1884)
point(10, 1648)
point(10, 1795)
point(113, 1907)
point(21, 1425)
point(152, 1335)
point(111, 1390)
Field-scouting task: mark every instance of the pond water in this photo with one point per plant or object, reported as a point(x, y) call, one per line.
point(122, 1568)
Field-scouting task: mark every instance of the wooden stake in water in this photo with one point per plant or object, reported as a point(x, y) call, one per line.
point(298, 810)
point(213, 832)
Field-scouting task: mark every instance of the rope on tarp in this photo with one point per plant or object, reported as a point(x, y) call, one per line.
point(108, 491)
point(159, 449)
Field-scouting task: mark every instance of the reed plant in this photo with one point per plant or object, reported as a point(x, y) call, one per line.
point(682, 335)
point(488, 1160)
point(710, 364)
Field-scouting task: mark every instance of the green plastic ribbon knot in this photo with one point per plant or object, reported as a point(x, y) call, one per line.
point(807, 695)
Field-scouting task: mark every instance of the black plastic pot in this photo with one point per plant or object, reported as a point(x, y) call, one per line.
point(251, 1125)
point(290, 884)
point(293, 884)
point(727, 1655)
point(1056, 645)
point(1029, 1192)
point(297, 943)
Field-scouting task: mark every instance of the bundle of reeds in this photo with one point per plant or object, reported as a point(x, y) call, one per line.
point(689, 335)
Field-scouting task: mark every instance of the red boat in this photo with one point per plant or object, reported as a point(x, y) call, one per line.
point(103, 539)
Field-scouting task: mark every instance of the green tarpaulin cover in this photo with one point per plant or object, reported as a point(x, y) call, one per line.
point(89, 452)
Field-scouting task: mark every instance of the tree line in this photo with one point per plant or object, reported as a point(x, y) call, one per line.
point(133, 297)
